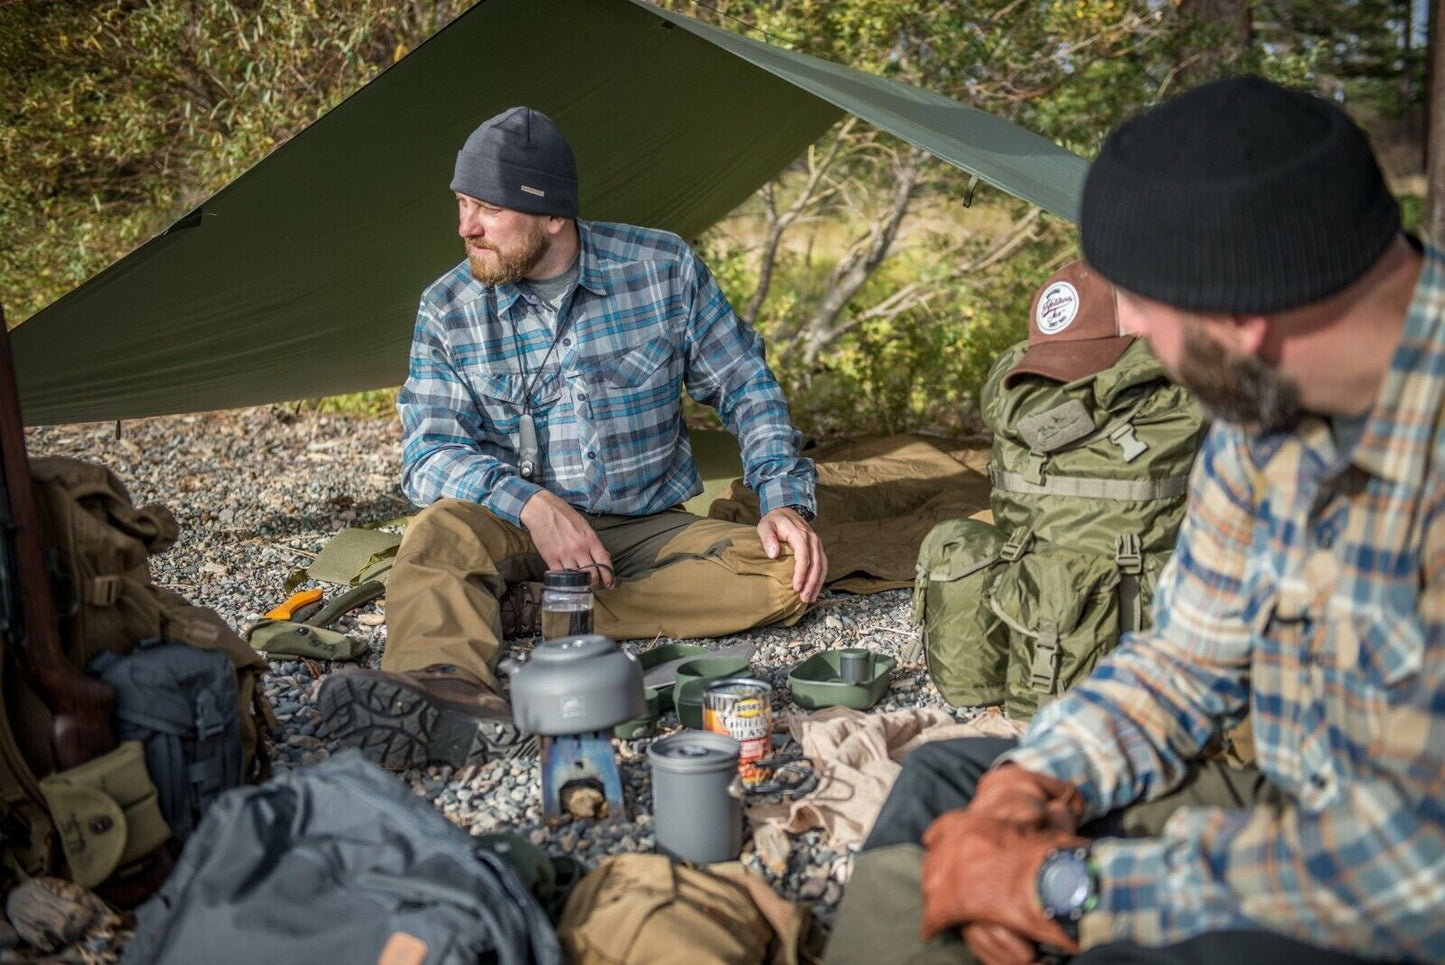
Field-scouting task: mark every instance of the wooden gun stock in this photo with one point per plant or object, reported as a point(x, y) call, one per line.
point(81, 706)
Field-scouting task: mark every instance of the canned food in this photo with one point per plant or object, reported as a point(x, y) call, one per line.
point(741, 707)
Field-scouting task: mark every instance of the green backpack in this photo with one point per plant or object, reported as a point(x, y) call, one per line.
point(1089, 480)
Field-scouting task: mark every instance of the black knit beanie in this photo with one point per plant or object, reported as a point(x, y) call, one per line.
point(1237, 196)
point(519, 160)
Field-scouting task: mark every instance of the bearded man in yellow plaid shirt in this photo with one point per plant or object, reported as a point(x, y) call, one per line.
point(1253, 242)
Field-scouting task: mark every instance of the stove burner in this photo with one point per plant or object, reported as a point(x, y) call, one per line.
point(568, 759)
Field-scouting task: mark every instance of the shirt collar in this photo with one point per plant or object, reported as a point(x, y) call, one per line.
point(1397, 439)
point(1397, 436)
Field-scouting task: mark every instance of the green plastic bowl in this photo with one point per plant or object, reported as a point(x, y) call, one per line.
point(817, 683)
point(639, 727)
point(661, 655)
point(693, 678)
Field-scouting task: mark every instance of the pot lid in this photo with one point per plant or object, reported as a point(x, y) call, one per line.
point(571, 649)
point(694, 751)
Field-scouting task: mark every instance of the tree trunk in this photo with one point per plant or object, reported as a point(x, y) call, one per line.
point(1434, 216)
point(1221, 36)
point(858, 265)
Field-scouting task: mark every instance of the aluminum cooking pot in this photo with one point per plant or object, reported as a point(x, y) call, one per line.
point(575, 685)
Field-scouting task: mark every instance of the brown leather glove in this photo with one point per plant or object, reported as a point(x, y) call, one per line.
point(1010, 793)
point(979, 869)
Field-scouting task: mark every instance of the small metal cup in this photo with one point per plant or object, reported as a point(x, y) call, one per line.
point(855, 666)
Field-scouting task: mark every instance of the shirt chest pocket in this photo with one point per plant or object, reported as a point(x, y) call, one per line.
point(1379, 647)
point(634, 367)
point(503, 395)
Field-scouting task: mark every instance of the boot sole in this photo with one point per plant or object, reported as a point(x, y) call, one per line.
point(400, 728)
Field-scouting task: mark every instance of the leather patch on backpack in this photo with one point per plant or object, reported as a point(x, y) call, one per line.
point(403, 949)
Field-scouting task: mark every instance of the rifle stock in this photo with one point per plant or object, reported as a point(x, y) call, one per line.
point(80, 706)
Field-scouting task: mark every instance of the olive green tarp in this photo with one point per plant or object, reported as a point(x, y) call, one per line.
point(300, 278)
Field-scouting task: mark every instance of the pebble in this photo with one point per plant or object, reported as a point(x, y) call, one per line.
point(258, 492)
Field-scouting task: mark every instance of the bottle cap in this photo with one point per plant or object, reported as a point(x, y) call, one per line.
point(566, 580)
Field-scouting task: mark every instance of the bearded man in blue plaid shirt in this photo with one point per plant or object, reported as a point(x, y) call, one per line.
point(1253, 242)
point(544, 431)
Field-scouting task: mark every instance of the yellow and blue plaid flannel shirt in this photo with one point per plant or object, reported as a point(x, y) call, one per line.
point(645, 321)
point(1307, 589)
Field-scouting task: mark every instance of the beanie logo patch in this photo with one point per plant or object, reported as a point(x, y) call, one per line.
point(1057, 308)
point(531, 190)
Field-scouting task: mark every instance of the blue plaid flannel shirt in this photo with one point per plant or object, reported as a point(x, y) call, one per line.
point(1308, 587)
point(645, 320)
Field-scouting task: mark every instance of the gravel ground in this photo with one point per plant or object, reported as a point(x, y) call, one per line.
point(259, 491)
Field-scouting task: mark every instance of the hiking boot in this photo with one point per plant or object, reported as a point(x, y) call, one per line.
point(440, 715)
point(521, 608)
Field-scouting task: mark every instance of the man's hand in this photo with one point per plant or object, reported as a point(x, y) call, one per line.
point(1037, 801)
point(810, 565)
point(564, 538)
point(984, 871)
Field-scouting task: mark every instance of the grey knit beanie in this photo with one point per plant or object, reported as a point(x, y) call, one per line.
point(1237, 196)
point(519, 160)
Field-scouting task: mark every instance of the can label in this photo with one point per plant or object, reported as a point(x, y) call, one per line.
point(740, 707)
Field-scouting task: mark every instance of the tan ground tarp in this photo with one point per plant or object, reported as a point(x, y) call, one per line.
point(877, 500)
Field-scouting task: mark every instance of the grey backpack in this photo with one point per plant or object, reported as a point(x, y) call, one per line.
point(180, 704)
point(338, 862)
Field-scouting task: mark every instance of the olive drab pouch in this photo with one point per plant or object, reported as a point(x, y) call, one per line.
point(964, 643)
point(639, 908)
point(106, 813)
point(179, 703)
point(1063, 611)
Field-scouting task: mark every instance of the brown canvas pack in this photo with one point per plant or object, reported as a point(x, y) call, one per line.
point(101, 543)
point(642, 908)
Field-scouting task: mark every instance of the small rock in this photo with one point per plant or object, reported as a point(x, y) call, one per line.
point(49, 913)
point(773, 847)
point(371, 619)
point(215, 569)
point(814, 888)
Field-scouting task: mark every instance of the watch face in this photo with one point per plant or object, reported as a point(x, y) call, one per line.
point(1063, 883)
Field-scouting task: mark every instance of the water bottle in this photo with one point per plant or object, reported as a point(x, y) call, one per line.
point(566, 604)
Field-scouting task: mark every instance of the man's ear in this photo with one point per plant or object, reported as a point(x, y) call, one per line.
point(1248, 334)
point(555, 224)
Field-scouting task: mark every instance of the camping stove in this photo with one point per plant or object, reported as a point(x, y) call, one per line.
point(586, 759)
point(571, 692)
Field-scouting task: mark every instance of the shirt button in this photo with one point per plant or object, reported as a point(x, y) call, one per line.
point(581, 395)
point(1319, 780)
point(591, 454)
point(566, 342)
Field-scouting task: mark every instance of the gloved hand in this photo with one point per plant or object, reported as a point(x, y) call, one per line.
point(984, 870)
point(1010, 793)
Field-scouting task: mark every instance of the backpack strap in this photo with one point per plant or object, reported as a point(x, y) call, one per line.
point(1129, 557)
point(1044, 669)
point(1091, 487)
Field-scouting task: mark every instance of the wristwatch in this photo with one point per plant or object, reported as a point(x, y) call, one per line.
point(803, 511)
point(1068, 886)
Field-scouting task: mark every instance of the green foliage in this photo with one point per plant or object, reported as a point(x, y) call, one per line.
point(118, 116)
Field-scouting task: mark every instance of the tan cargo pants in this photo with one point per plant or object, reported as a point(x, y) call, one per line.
point(677, 574)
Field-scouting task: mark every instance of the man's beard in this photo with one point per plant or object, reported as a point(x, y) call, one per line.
point(508, 267)
point(1244, 390)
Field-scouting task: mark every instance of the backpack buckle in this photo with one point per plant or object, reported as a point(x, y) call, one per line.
point(104, 590)
point(1129, 553)
point(1044, 670)
point(1017, 545)
point(1125, 439)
